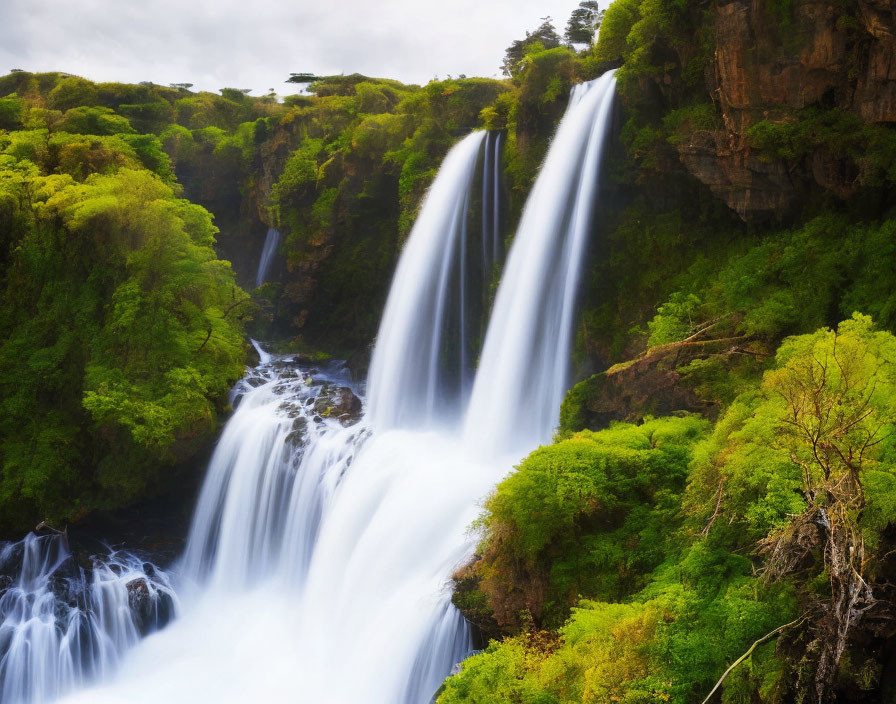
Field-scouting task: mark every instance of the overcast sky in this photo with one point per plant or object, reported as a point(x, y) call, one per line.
point(257, 43)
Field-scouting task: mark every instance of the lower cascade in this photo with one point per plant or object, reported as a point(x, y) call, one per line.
point(64, 625)
point(320, 555)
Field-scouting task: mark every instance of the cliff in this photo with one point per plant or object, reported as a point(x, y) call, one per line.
point(770, 62)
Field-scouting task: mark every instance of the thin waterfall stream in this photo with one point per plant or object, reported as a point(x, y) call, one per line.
point(319, 561)
point(268, 251)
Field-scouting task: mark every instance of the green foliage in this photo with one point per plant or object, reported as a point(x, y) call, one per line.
point(833, 398)
point(587, 515)
point(643, 255)
point(573, 410)
point(669, 644)
point(148, 149)
point(11, 112)
point(121, 331)
point(742, 465)
point(152, 116)
point(299, 173)
point(683, 121)
point(97, 121)
point(674, 319)
point(790, 282)
point(72, 92)
point(542, 38)
point(617, 23)
point(843, 135)
point(583, 23)
point(819, 429)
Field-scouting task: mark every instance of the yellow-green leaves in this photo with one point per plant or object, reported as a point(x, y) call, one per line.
point(121, 332)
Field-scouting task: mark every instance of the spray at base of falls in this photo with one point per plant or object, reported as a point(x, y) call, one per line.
point(319, 562)
point(322, 564)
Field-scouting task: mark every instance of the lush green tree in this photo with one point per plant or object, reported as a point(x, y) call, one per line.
point(96, 121)
point(72, 92)
point(302, 78)
point(11, 112)
point(121, 329)
point(616, 23)
point(587, 515)
point(583, 23)
point(544, 37)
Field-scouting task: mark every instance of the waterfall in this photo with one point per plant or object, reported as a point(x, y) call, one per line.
point(319, 559)
point(271, 242)
point(523, 370)
point(492, 246)
point(407, 380)
point(60, 627)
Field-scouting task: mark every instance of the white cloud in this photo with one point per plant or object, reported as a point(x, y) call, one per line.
point(257, 43)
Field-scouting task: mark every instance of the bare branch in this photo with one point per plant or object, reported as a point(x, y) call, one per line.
point(749, 652)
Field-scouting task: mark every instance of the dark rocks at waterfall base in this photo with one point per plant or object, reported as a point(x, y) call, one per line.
point(339, 402)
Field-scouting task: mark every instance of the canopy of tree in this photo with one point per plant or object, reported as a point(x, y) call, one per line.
point(121, 331)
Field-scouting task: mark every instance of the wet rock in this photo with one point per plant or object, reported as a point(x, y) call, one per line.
point(338, 402)
point(151, 609)
point(138, 594)
point(299, 431)
point(292, 410)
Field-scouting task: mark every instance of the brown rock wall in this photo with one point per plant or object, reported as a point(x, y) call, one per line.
point(767, 67)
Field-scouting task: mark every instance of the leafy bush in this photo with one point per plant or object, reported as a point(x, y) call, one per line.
point(11, 112)
point(620, 17)
point(96, 121)
point(585, 515)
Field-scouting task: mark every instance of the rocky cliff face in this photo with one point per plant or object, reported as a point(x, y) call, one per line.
point(772, 60)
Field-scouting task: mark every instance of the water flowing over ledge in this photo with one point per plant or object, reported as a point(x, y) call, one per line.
point(407, 372)
point(271, 243)
point(64, 626)
point(522, 374)
point(319, 560)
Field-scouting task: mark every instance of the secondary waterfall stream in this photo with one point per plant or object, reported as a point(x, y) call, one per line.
point(319, 560)
point(271, 242)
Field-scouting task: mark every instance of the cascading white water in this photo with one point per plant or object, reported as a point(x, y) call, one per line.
point(492, 246)
point(406, 375)
point(319, 560)
point(271, 242)
point(60, 628)
point(523, 370)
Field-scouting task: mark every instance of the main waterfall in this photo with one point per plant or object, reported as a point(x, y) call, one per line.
point(319, 560)
point(522, 374)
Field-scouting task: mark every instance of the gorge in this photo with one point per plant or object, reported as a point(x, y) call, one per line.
point(303, 516)
point(575, 385)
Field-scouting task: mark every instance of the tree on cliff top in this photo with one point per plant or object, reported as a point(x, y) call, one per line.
point(546, 36)
point(583, 23)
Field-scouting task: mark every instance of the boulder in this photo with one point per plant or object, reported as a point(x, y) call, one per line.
point(338, 402)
